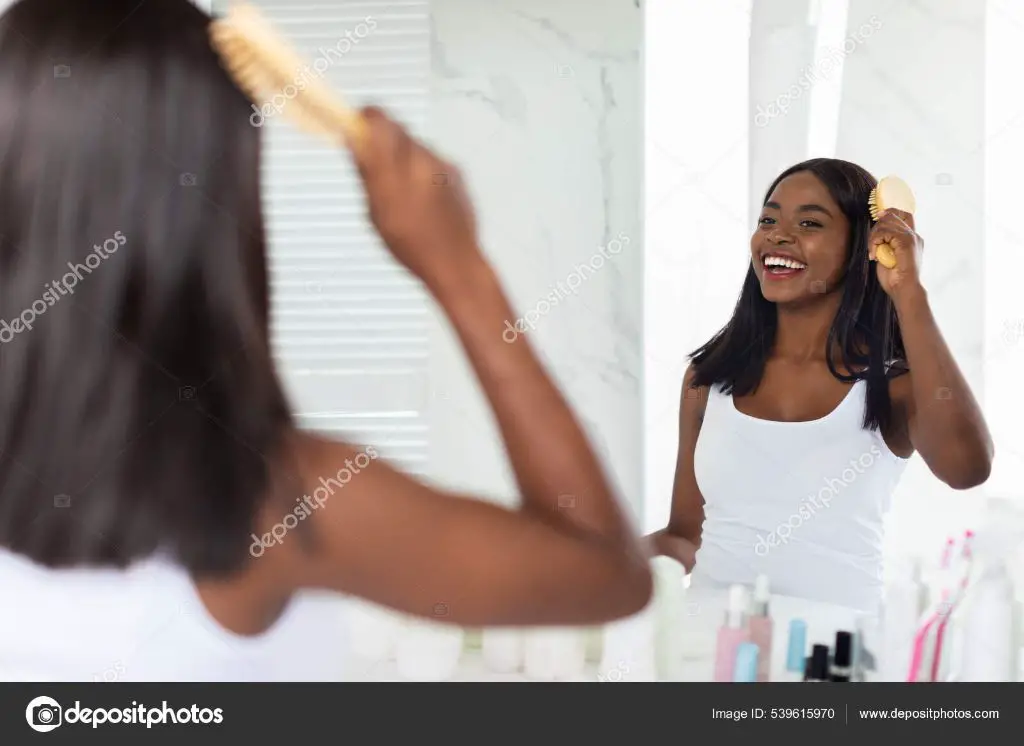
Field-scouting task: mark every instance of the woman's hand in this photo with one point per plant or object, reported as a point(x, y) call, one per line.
point(663, 544)
point(417, 203)
point(896, 228)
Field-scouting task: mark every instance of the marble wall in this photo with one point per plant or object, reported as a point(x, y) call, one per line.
point(540, 105)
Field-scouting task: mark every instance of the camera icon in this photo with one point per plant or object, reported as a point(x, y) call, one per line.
point(441, 180)
point(188, 179)
point(440, 609)
point(566, 502)
point(818, 286)
point(943, 393)
point(187, 393)
point(62, 501)
point(62, 71)
point(565, 71)
point(44, 714)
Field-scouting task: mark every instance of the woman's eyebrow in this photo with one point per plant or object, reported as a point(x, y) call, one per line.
point(801, 208)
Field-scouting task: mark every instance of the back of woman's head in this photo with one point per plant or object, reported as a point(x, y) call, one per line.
point(864, 331)
point(138, 402)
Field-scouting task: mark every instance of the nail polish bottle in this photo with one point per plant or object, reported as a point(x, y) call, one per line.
point(842, 659)
point(732, 634)
point(746, 668)
point(796, 662)
point(760, 624)
point(818, 668)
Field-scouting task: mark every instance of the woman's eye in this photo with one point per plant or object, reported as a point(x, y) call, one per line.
point(765, 221)
point(810, 224)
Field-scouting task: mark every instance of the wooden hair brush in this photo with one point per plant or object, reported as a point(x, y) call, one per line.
point(891, 193)
point(263, 64)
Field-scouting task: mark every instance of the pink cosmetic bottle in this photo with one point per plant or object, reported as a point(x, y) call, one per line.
point(760, 624)
point(732, 634)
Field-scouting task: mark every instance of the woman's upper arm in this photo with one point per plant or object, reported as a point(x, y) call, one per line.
point(392, 540)
point(899, 437)
point(687, 516)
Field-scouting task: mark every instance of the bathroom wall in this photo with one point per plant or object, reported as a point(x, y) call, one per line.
point(540, 104)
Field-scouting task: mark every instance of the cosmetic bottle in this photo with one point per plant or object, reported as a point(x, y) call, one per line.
point(818, 668)
point(796, 649)
point(373, 631)
point(950, 635)
point(760, 624)
point(746, 668)
point(670, 602)
point(991, 628)
point(864, 644)
point(842, 658)
point(502, 649)
point(554, 653)
point(938, 577)
point(628, 648)
point(429, 651)
point(905, 600)
point(733, 633)
point(929, 660)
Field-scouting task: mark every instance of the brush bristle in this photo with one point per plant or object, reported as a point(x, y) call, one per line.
point(262, 65)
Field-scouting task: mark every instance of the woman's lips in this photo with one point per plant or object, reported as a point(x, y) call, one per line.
point(780, 273)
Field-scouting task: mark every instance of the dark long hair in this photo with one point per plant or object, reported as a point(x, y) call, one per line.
point(864, 329)
point(139, 407)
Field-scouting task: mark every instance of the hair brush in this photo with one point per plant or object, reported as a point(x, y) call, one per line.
point(891, 193)
point(262, 64)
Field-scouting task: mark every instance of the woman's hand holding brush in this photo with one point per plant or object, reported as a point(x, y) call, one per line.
point(896, 228)
point(417, 203)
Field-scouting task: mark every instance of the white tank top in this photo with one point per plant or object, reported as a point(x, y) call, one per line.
point(147, 623)
point(801, 502)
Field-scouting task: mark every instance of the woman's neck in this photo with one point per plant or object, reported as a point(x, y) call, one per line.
point(802, 331)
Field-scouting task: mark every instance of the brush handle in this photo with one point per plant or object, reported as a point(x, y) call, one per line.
point(886, 255)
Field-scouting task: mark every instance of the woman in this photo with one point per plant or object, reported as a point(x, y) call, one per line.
point(798, 417)
point(161, 514)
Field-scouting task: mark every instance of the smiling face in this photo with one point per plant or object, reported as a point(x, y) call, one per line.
point(799, 250)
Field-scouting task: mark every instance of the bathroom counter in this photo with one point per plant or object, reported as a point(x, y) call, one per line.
point(703, 615)
point(472, 668)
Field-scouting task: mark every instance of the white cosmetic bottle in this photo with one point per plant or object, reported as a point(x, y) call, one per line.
point(554, 653)
point(991, 629)
point(429, 651)
point(628, 652)
point(669, 603)
point(905, 600)
point(373, 631)
point(502, 649)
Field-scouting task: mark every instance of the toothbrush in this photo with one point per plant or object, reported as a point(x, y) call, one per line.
point(923, 640)
point(961, 574)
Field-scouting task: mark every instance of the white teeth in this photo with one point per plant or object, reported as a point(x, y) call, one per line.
point(778, 261)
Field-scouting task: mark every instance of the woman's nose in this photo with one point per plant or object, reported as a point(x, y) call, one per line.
point(779, 237)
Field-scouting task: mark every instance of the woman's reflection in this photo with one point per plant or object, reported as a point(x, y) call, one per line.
point(798, 417)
